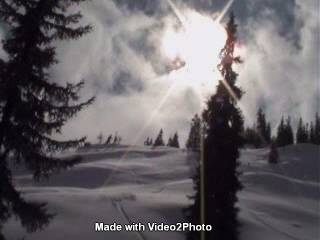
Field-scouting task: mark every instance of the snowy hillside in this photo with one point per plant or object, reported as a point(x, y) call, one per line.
point(139, 184)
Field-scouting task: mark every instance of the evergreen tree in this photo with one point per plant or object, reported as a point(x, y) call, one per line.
point(169, 144)
point(109, 139)
point(193, 142)
point(115, 140)
point(263, 127)
point(302, 134)
point(223, 126)
point(285, 133)
point(175, 141)
point(317, 130)
point(289, 139)
point(281, 141)
point(252, 138)
point(312, 134)
point(159, 140)
point(32, 106)
point(268, 133)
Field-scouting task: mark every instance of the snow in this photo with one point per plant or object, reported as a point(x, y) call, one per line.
point(131, 184)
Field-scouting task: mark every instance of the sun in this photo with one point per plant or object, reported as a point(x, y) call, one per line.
point(197, 45)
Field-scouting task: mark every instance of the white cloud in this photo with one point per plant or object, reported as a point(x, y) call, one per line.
point(277, 74)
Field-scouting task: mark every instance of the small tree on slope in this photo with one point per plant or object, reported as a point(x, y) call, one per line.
point(223, 125)
point(159, 140)
point(32, 106)
point(175, 141)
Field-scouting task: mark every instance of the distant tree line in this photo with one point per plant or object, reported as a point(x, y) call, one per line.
point(114, 140)
point(110, 140)
point(260, 134)
point(173, 141)
point(309, 132)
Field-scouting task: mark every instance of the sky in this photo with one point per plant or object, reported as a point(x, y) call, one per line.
point(137, 92)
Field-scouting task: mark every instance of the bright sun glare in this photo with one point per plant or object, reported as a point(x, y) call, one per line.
point(197, 44)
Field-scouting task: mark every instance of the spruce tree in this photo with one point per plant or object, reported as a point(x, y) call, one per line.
point(281, 141)
point(109, 139)
point(223, 127)
point(289, 138)
point(115, 140)
point(268, 133)
point(252, 138)
point(169, 144)
point(193, 142)
point(33, 106)
point(263, 127)
point(312, 134)
point(317, 130)
point(302, 135)
point(285, 133)
point(159, 140)
point(175, 141)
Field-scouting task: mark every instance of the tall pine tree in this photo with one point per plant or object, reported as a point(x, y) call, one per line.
point(281, 134)
point(193, 142)
point(175, 141)
point(289, 132)
point(223, 127)
point(285, 133)
point(159, 140)
point(317, 130)
point(32, 106)
point(302, 134)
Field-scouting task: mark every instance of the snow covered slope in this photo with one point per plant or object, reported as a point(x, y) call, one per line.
point(140, 184)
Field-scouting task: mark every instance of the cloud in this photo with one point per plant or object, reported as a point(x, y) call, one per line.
point(276, 73)
point(123, 66)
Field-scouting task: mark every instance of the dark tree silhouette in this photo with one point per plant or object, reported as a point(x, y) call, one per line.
point(175, 141)
point(32, 106)
point(302, 134)
point(285, 133)
point(115, 140)
point(311, 133)
point(289, 132)
point(281, 141)
point(316, 132)
point(263, 127)
point(223, 127)
point(252, 137)
point(109, 140)
point(193, 142)
point(260, 134)
point(159, 140)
